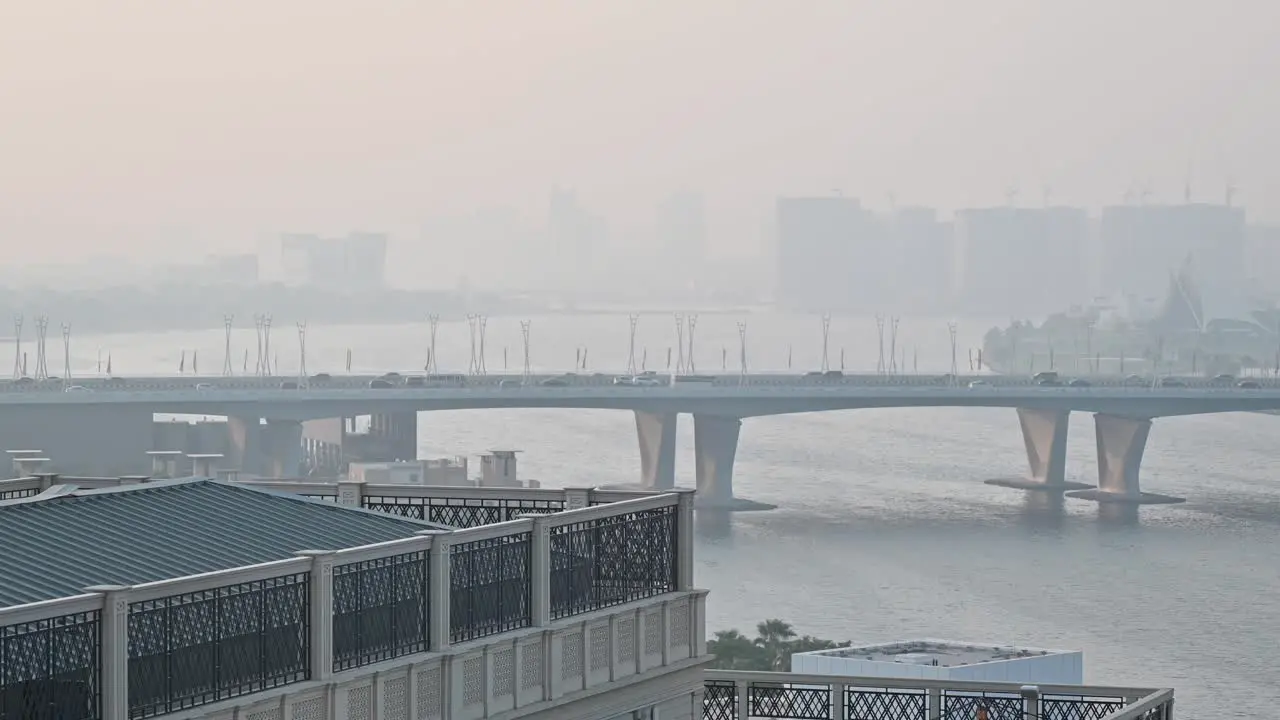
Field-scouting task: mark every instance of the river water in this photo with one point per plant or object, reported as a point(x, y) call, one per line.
point(884, 529)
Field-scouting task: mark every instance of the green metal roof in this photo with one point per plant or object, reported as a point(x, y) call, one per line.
point(56, 547)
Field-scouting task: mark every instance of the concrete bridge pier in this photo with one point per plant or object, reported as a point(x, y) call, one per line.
point(657, 435)
point(715, 443)
point(1121, 443)
point(396, 435)
point(246, 449)
point(1044, 433)
point(284, 438)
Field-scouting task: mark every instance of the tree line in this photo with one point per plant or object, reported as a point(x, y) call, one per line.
point(770, 650)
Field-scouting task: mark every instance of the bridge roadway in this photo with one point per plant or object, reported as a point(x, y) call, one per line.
point(1123, 411)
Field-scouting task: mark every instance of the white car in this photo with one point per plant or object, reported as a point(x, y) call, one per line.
point(977, 384)
point(202, 387)
point(77, 388)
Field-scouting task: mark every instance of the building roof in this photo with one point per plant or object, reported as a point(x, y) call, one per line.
point(55, 547)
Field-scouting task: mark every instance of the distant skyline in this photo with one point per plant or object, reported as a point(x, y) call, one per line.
point(177, 128)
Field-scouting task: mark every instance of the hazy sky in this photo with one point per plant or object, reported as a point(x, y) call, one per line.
point(128, 123)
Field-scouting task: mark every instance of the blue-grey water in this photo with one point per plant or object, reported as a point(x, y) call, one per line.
point(884, 529)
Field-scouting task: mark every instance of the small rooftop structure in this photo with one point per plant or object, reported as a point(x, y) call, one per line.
point(946, 660)
point(55, 546)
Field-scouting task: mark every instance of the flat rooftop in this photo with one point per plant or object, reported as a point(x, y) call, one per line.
point(56, 546)
point(943, 653)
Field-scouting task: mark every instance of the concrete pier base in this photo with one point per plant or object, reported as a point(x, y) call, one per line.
point(715, 440)
point(657, 435)
point(284, 437)
point(246, 445)
point(1044, 433)
point(1121, 443)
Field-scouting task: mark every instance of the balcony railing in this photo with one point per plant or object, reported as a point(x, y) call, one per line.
point(164, 647)
point(460, 507)
point(733, 695)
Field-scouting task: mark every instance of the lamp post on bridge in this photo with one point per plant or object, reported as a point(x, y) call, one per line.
point(302, 353)
point(951, 331)
point(742, 353)
point(880, 368)
point(826, 336)
point(631, 345)
point(524, 333)
point(66, 353)
point(227, 321)
point(431, 367)
point(692, 320)
point(18, 369)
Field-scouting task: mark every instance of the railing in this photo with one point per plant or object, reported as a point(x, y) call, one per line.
point(25, 487)
point(732, 695)
point(458, 507)
point(169, 646)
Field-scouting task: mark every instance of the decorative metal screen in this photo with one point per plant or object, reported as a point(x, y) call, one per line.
point(51, 669)
point(490, 586)
point(720, 700)
point(612, 560)
point(460, 512)
point(793, 702)
point(379, 610)
point(872, 704)
point(1068, 707)
point(201, 647)
point(959, 705)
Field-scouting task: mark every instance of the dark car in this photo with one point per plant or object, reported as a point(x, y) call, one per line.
point(321, 377)
point(289, 385)
point(1079, 382)
point(1172, 383)
point(380, 384)
point(555, 382)
point(1248, 385)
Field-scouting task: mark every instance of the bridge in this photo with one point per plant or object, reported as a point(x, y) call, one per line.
point(266, 415)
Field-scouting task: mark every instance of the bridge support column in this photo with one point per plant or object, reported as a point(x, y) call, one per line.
point(715, 443)
point(1121, 443)
point(246, 445)
point(1044, 432)
point(285, 442)
point(395, 435)
point(657, 435)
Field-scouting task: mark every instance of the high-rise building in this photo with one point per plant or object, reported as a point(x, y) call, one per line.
point(1262, 252)
point(576, 237)
point(1026, 260)
point(355, 262)
point(1142, 244)
point(831, 255)
point(923, 259)
point(681, 234)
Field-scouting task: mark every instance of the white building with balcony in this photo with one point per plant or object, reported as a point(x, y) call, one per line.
point(122, 598)
point(208, 599)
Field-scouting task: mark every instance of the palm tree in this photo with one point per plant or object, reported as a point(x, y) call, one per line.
point(774, 637)
point(735, 651)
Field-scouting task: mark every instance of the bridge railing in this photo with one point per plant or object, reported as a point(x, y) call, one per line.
point(169, 646)
point(735, 695)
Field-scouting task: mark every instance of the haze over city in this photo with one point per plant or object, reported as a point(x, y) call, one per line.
point(158, 131)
